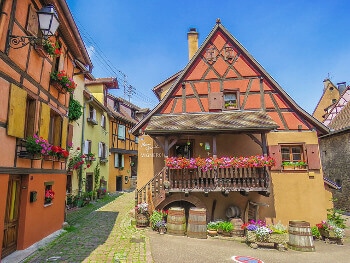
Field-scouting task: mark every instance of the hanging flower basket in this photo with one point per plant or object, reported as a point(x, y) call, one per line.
point(62, 82)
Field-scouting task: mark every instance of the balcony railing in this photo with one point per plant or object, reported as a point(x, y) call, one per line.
point(219, 179)
point(196, 180)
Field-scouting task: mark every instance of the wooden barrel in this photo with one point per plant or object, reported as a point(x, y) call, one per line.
point(197, 223)
point(300, 236)
point(176, 221)
point(142, 220)
point(233, 211)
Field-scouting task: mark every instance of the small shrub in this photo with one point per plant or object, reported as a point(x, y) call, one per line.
point(315, 232)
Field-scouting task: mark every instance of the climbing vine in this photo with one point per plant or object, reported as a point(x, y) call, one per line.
point(75, 110)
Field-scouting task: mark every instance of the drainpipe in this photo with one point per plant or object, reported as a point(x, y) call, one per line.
point(82, 144)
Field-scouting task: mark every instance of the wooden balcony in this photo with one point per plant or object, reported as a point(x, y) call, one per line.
point(225, 180)
point(220, 179)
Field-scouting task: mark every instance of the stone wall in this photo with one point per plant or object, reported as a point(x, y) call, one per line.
point(335, 156)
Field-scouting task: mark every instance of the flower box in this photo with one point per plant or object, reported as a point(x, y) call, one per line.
point(59, 87)
point(28, 155)
point(327, 233)
point(40, 50)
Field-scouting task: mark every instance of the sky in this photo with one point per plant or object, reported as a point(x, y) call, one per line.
point(142, 43)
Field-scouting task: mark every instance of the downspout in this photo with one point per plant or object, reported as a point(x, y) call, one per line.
point(80, 182)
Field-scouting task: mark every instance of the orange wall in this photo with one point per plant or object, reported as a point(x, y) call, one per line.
point(33, 225)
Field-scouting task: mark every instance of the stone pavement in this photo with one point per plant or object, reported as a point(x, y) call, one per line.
point(107, 235)
point(104, 235)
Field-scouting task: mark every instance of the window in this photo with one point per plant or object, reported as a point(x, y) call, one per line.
point(230, 101)
point(292, 153)
point(116, 106)
point(55, 128)
point(103, 121)
point(118, 160)
point(133, 114)
point(87, 147)
point(136, 139)
point(334, 101)
point(121, 132)
point(92, 116)
point(102, 150)
point(49, 194)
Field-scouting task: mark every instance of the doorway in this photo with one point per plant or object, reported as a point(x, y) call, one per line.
point(89, 182)
point(119, 183)
point(11, 216)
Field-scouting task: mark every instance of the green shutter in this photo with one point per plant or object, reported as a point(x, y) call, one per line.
point(17, 112)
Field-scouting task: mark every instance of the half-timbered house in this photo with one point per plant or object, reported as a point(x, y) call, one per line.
point(210, 141)
point(33, 112)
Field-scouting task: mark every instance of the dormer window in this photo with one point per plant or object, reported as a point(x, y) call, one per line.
point(133, 114)
point(116, 106)
point(230, 101)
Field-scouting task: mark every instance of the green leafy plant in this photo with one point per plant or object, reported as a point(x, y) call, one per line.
point(75, 110)
point(335, 216)
point(278, 228)
point(225, 226)
point(52, 49)
point(295, 164)
point(315, 232)
point(212, 226)
point(62, 78)
point(155, 219)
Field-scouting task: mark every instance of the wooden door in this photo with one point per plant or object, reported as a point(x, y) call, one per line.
point(119, 183)
point(89, 182)
point(9, 244)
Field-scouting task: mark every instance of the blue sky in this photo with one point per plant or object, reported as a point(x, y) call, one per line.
point(299, 43)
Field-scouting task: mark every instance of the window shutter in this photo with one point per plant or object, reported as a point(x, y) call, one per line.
point(94, 114)
point(100, 149)
point(102, 121)
point(64, 133)
point(106, 152)
point(86, 147)
point(275, 153)
point(122, 164)
point(313, 156)
point(17, 112)
point(116, 160)
point(44, 121)
point(70, 134)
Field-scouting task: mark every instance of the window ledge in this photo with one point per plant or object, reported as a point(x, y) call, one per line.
point(46, 205)
point(92, 121)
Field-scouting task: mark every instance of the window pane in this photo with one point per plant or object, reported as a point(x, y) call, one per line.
point(285, 154)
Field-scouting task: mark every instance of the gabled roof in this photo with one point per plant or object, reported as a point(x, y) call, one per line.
point(110, 83)
point(157, 89)
point(218, 27)
point(332, 120)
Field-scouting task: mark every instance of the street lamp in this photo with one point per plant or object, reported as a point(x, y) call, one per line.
point(48, 24)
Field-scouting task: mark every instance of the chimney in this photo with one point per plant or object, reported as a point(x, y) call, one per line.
point(192, 37)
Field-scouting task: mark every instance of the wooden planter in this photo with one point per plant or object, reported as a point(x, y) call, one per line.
point(329, 236)
point(28, 155)
point(59, 87)
point(142, 220)
point(275, 240)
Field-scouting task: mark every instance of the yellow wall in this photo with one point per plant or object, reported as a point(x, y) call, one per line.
point(297, 195)
point(97, 134)
point(330, 93)
point(97, 91)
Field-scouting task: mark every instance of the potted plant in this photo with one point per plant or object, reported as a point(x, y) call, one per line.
point(287, 165)
point(212, 228)
point(142, 215)
point(230, 105)
point(35, 147)
point(62, 82)
point(226, 228)
point(49, 196)
point(161, 226)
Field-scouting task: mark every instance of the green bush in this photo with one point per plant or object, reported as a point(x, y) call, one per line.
point(315, 232)
point(156, 217)
point(212, 226)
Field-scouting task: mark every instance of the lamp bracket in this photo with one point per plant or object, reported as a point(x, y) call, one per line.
point(17, 42)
